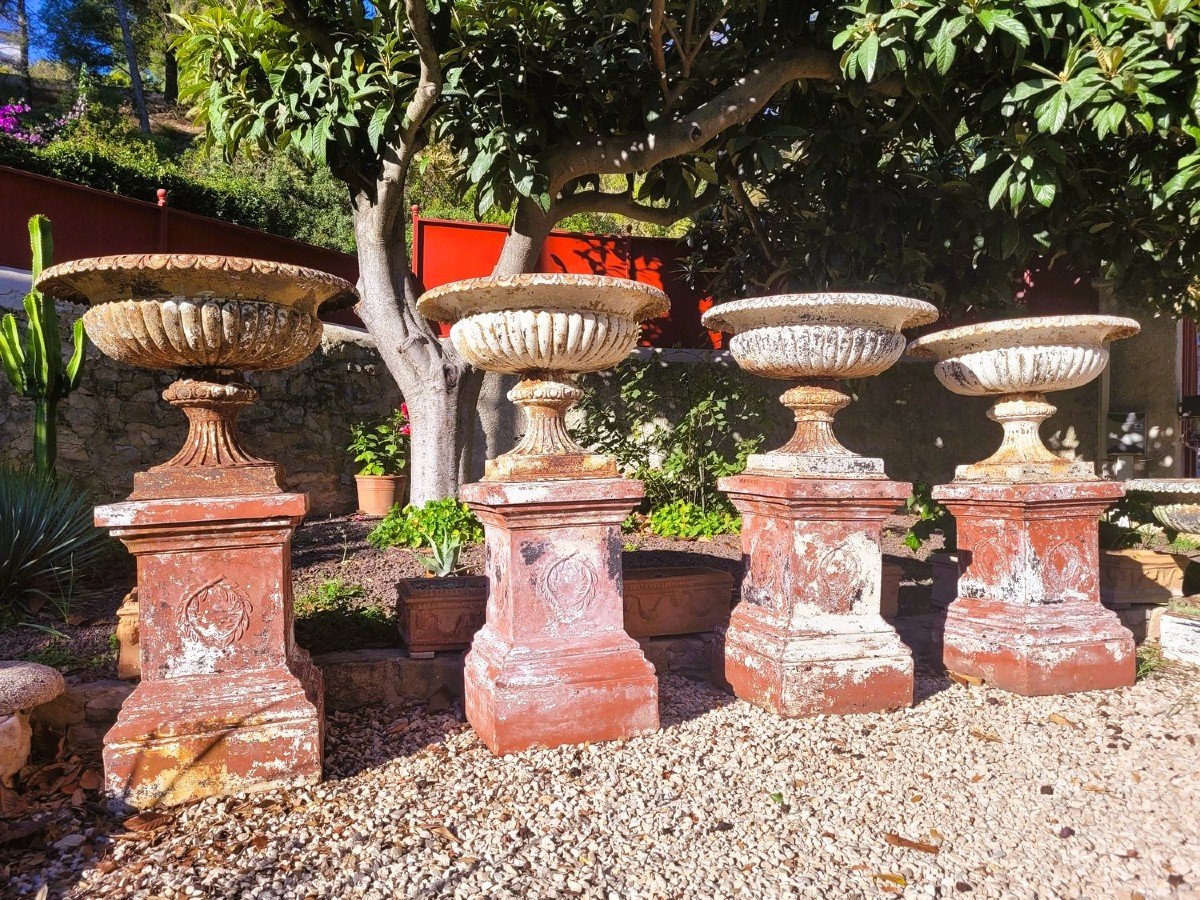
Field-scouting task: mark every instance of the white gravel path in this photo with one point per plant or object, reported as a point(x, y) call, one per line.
point(1094, 795)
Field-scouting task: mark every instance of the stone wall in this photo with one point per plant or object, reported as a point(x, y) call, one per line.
point(116, 423)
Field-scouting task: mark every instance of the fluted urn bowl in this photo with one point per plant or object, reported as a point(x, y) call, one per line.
point(1176, 502)
point(177, 311)
point(545, 328)
point(1020, 361)
point(815, 341)
point(209, 318)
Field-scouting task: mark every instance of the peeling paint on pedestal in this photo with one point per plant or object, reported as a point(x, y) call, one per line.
point(227, 701)
point(1028, 616)
point(552, 664)
point(808, 638)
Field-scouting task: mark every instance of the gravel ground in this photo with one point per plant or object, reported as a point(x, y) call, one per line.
point(973, 792)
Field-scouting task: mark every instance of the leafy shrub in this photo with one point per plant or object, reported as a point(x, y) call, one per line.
point(682, 519)
point(331, 617)
point(381, 448)
point(46, 537)
point(932, 518)
point(425, 526)
point(678, 427)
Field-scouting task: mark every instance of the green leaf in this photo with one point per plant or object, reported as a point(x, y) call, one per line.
point(868, 55)
point(943, 49)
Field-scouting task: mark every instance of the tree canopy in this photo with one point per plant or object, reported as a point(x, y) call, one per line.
point(911, 144)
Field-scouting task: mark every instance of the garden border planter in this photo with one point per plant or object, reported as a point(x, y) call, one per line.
point(1134, 577)
point(1179, 638)
point(667, 600)
point(377, 494)
point(440, 614)
point(437, 615)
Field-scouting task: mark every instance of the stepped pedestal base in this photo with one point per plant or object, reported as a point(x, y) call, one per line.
point(1028, 617)
point(807, 638)
point(227, 702)
point(553, 664)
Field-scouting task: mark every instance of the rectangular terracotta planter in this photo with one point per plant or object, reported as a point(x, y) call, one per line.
point(442, 614)
point(438, 614)
point(945, 577)
point(1134, 577)
point(889, 590)
point(676, 600)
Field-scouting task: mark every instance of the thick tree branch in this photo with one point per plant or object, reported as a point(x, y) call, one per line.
point(750, 211)
point(624, 204)
point(429, 89)
point(736, 104)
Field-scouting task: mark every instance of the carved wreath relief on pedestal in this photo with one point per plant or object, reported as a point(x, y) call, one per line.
point(217, 613)
point(568, 585)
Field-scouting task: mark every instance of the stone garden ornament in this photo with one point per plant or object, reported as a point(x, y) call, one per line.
point(1028, 616)
point(227, 701)
point(552, 664)
point(808, 637)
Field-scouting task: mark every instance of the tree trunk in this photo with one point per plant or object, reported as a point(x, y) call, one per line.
point(135, 75)
point(170, 76)
point(438, 385)
point(530, 228)
point(23, 48)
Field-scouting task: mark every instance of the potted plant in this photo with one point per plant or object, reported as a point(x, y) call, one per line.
point(1140, 562)
point(441, 612)
point(381, 451)
point(933, 518)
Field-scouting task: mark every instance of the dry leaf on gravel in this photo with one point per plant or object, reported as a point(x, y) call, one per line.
point(908, 844)
point(1056, 719)
point(145, 821)
point(985, 735)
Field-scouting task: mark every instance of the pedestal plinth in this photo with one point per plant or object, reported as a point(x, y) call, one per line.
point(553, 664)
point(1028, 617)
point(227, 701)
point(807, 637)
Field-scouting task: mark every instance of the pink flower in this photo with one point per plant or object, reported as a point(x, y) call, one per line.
point(404, 410)
point(406, 430)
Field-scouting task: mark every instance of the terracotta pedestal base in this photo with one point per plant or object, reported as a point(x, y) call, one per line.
point(1028, 617)
point(553, 664)
point(227, 701)
point(808, 637)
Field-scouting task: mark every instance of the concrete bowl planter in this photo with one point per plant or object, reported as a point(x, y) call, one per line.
point(1018, 362)
point(1136, 577)
point(377, 494)
point(678, 600)
point(440, 614)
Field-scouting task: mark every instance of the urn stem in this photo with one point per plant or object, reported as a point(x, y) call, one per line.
point(815, 402)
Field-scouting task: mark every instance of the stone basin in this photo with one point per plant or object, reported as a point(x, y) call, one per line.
point(1176, 502)
point(546, 328)
point(184, 311)
point(815, 341)
point(1019, 361)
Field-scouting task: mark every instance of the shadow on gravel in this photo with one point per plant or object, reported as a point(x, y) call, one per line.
point(374, 736)
point(681, 699)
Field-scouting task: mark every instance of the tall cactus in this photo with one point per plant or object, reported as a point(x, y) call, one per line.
point(36, 370)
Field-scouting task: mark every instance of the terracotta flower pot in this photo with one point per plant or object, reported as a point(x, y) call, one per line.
point(378, 493)
point(438, 614)
point(1134, 577)
point(679, 600)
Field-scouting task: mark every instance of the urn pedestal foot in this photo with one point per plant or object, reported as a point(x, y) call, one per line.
point(1028, 617)
point(227, 701)
point(553, 664)
point(807, 638)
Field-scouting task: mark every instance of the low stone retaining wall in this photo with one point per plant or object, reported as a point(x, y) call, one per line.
point(354, 679)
